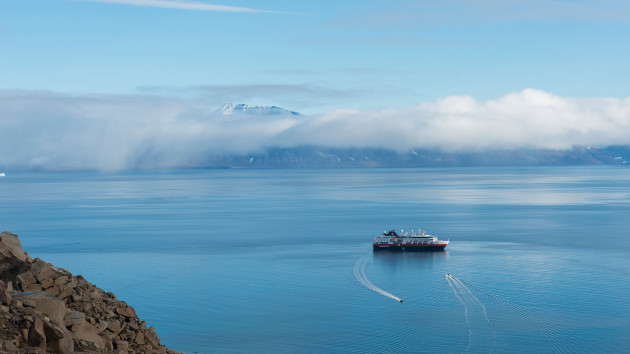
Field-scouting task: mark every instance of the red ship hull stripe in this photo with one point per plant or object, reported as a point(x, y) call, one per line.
point(409, 245)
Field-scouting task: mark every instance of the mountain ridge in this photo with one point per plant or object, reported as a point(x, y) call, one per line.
point(328, 157)
point(242, 108)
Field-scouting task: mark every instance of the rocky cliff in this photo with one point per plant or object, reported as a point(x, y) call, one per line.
point(44, 309)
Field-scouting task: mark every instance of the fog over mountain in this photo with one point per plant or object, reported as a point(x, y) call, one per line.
point(45, 130)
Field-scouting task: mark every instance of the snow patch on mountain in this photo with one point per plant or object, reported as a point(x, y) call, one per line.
point(241, 108)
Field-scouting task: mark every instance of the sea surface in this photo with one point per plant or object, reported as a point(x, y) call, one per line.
point(276, 261)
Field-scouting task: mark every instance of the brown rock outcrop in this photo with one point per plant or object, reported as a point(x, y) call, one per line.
point(49, 305)
point(44, 309)
point(14, 259)
point(5, 293)
point(36, 335)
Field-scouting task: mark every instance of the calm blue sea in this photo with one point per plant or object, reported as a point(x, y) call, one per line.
point(270, 260)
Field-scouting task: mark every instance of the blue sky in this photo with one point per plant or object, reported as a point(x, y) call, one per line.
point(146, 75)
point(317, 55)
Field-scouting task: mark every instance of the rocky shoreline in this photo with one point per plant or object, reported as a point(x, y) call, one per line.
point(44, 309)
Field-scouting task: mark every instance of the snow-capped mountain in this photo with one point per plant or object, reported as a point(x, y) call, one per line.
point(241, 108)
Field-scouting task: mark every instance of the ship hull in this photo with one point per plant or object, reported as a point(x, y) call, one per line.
point(409, 247)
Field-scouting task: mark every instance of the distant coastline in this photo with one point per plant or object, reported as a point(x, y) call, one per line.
point(325, 157)
point(305, 157)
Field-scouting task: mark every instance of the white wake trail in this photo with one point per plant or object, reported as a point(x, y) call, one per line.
point(456, 291)
point(476, 299)
point(359, 273)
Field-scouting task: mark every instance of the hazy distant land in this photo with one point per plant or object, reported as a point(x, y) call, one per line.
point(322, 157)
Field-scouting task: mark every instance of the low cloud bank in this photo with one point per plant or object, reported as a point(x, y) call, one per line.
point(56, 131)
point(526, 119)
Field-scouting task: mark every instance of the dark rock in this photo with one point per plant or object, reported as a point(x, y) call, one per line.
point(109, 343)
point(81, 280)
point(9, 347)
point(101, 326)
point(47, 283)
point(114, 325)
point(133, 325)
point(58, 339)
point(53, 290)
point(42, 270)
point(36, 334)
point(122, 345)
point(28, 311)
point(151, 337)
point(85, 307)
point(26, 280)
point(5, 295)
point(72, 283)
point(31, 350)
point(62, 280)
point(11, 247)
point(15, 303)
point(88, 337)
point(14, 260)
point(126, 311)
point(53, 332)
point(73, 318)
point(64, 292)
point(47, 304)
point(140, 338)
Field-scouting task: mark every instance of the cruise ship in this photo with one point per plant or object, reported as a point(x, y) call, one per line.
point(408, 241)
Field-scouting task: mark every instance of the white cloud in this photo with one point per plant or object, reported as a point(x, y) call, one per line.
point(57, 131)
point(530, 118)
point(180, 5)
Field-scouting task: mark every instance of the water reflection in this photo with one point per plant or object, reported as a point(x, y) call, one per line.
point(393, 260)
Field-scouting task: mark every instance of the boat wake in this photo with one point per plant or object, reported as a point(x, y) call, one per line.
point(359, 273)
point(534, 321)
point(465, 296)
point(473, 308)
